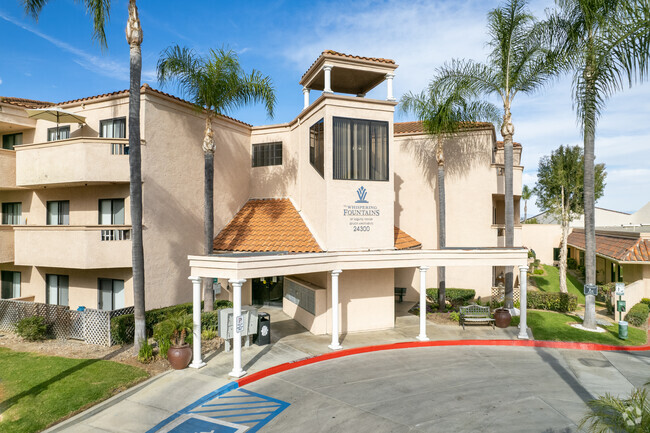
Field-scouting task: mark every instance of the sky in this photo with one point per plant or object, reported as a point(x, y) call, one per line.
point(55, 59)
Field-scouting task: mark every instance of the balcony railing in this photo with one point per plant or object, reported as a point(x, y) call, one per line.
point(73, 161)
point(7, 169)
point(6, 244)
point(74, 247)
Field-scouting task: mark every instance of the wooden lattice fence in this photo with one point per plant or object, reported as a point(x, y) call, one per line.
point(90, 325)
point(499, 295)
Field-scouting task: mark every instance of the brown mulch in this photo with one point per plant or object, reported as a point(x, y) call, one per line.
point(124, 354)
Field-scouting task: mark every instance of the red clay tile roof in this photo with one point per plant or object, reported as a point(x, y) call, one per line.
point(405, 242)
point(267, 225)
point(350, 56)
point(514, 144)
point(144, 87)
point(24, 103)
point(621, 248)
point(416, 127)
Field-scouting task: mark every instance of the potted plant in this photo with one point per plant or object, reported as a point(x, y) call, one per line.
point(502, 317)
point(171, 334)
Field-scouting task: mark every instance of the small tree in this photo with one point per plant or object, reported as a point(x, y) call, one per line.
point(526, 193)
point(560, 190)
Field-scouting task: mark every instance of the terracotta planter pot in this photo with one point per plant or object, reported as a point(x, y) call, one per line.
point(502, 317)
point(179, 357)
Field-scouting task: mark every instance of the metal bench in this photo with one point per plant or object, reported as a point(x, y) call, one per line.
point(475, 314)
point(400, 292)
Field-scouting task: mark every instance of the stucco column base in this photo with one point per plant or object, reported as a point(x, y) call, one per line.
point(197, 365)
point(422, 338)
point(335, 347)
point(239, 373)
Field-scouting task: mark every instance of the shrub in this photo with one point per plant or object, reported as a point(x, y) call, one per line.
point(32, 328)
point(145, 355)
point(646, 301)
point(554, 301)
point(454, 296)
point(208, 334)
point(539, 272)
point(571, 263)
point(121, 324)
point(455, 316)
point(537, 263)
point(210, 320)
point(581, 269)
point(531, 254)
point(638, 315)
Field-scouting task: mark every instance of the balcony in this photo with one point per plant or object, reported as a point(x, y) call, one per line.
point(499, 231)
point(500, 179)
point(73, 162)
point(73, 247)
point(7, 169)
point(6, 244)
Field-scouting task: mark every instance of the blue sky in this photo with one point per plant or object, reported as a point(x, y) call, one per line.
point(55, 59)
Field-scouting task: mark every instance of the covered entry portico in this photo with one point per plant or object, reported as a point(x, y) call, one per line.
point(238, 267)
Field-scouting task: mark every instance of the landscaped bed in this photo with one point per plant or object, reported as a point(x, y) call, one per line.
point(38, 390)
point(552, 326)
point(550, 282)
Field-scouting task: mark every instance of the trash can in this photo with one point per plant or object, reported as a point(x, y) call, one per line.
point(622, 330)
point(263, 329)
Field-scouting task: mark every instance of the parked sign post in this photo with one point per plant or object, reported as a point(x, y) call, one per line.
point(620, 307)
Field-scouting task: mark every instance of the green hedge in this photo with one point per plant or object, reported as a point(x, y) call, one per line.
point(554, 301)
point(32, 328)
point(121, 324)
point(454, 296)
point(646, 301)
point(571, 263)
point(638, 315)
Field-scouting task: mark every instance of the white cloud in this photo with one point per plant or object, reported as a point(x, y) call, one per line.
point(0, 80)
point(95, 64)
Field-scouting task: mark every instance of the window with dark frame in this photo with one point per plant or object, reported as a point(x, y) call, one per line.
point(57, 290)
point(11, 140)
point(110, 294)
point(113, 128)
point(12, 213)
point(317, 146)
point(58, 213)
point(360, 149)
point(10, 284)
point(266, 154)
point(62, 133)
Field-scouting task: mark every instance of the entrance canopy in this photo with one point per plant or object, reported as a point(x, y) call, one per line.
point(256, 265)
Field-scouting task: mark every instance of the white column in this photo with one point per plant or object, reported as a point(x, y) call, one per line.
point(328, 79)
point(523, 282)
point(335, 310)
point(423, 304)
point(389, 86)
point(305, 97)
point(236, 341)
point(197, 362)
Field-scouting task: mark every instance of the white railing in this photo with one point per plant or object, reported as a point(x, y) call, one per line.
point(116, 235)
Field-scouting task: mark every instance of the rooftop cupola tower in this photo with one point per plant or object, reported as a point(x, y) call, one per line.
point(345, 73)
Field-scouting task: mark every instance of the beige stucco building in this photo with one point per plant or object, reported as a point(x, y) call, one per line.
point(341, 177)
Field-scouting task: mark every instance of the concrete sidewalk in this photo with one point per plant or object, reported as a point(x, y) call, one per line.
point(144, 406)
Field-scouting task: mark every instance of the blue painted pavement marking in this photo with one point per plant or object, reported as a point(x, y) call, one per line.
point(244, 410)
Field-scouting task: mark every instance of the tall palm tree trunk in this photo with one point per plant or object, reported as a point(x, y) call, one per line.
point(563, 245)
point(507, 131)
point(134, 38)
point(589, 200)
point(208, 212)
point(442, 225)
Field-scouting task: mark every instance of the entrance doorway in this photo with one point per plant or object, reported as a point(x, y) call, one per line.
point(267, 291)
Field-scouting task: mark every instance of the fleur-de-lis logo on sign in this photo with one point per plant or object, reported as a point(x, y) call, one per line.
point(362, 193)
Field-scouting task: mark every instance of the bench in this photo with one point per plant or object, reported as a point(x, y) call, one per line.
point(400, 292)
point(475, 314)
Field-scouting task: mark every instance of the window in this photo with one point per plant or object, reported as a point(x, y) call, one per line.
point(360, 149)
point(12, 213)
point(111, 294)
point(620, 274)
point(62, 134)
point(317, 146)
point(11, 140)
point(10, 284)
point(111, 211)
point(58, 213)
point(113, 128)
point(582, 258)
point(57, 290)
point(265, 154)
point(556, 254)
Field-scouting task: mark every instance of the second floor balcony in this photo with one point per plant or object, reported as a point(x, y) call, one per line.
point(7, 169)
point(73, 247)
point(72, 162)
point(6, 244)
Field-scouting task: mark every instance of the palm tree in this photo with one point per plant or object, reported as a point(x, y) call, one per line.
point(516, 64)
point(605, 43)
point(526, 193)
point(215, 84)
point(442, 115)
point(99, 10)
point(613, 414)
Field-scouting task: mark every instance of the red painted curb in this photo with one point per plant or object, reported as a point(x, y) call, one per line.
point(410, 344)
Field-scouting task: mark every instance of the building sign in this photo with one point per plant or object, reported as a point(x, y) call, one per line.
point(590, 289)
point(620, 289)
point(361, 215)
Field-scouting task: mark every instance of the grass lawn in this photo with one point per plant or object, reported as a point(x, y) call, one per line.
point(552, 326)
point(551, 283)
point(37, 390)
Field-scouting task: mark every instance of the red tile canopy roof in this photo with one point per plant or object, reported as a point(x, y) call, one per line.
point(24, 103)
point(274, 225)
point(417, 127)
point(622, 248)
